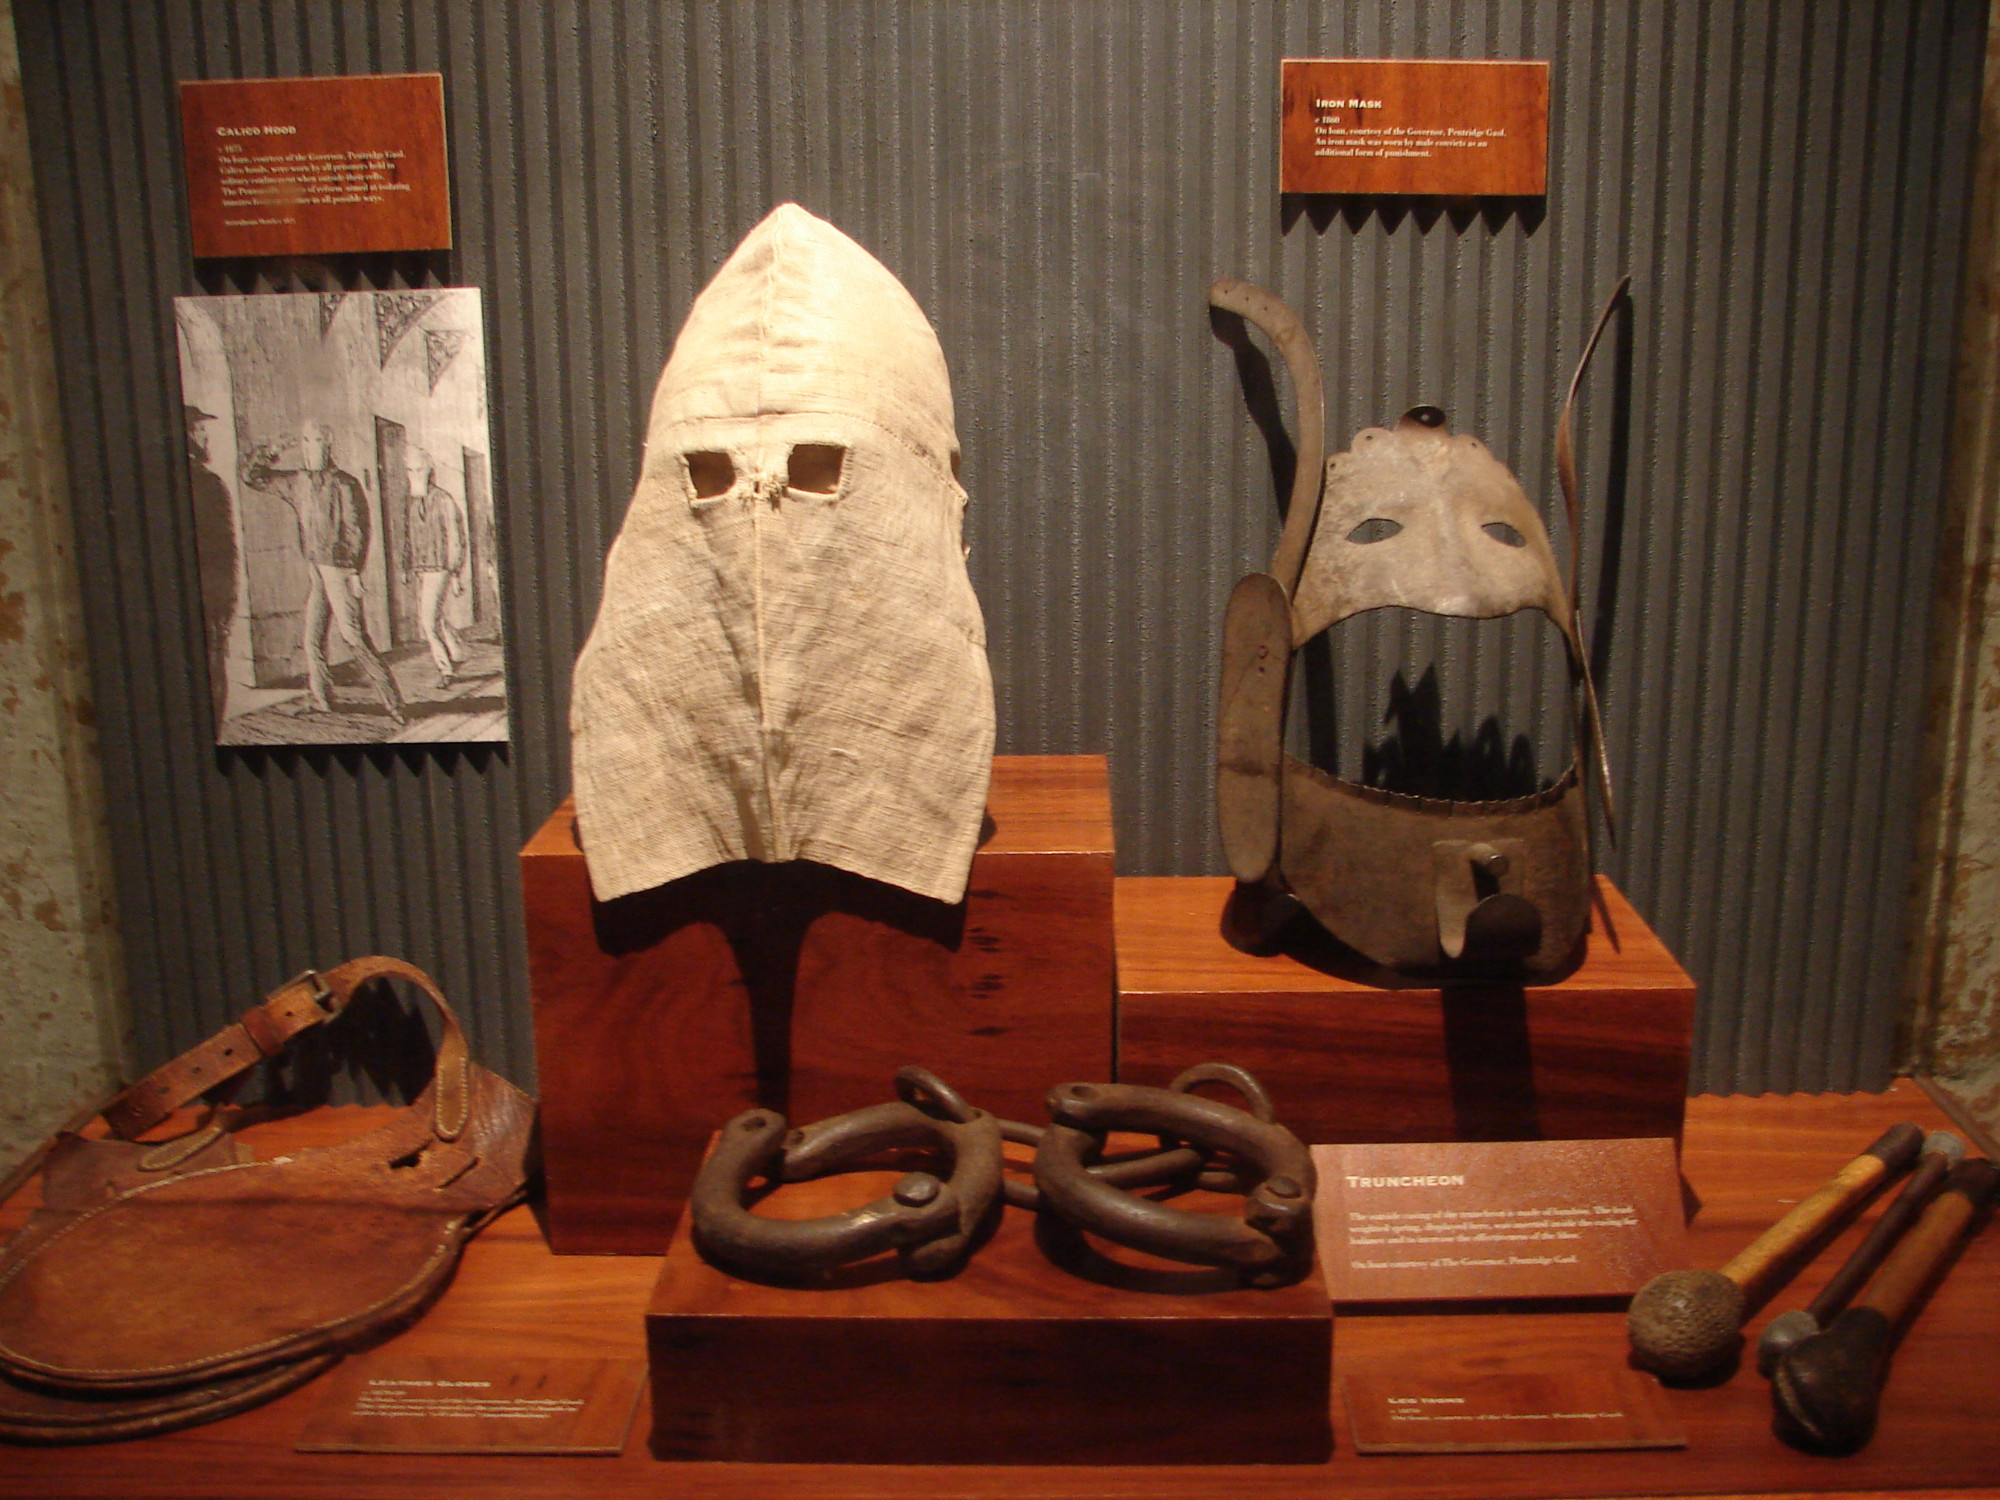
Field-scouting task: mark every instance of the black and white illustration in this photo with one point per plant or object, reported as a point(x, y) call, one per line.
point(338, 448)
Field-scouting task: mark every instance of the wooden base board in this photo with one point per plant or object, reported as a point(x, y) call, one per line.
point(1016, 1360)
point(1746, 1161)
point(803, 988)
point(1602, 1052)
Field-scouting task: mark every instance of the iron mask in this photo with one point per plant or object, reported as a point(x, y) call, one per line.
point(1414, 517)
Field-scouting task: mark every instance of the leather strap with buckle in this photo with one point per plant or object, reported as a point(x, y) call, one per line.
point(265, 1030)
point(121, 1304)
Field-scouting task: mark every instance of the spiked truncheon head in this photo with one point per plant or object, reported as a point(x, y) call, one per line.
point(1686, 1325)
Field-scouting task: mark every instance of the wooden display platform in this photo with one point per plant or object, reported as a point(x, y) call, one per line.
point(1353, 1053)
point(1108, 1357)
point(1746, 1160)
point(803, 988)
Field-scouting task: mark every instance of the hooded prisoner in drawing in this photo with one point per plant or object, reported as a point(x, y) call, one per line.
point(789, 662)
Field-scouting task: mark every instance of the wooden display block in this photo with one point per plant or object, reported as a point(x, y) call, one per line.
point(1015, 1360)
point(1600, 1053)
point(803, 988)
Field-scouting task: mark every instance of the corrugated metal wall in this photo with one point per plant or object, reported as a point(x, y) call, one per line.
point(1057, 184)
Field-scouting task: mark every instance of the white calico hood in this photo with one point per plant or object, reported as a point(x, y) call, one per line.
point(789, 662)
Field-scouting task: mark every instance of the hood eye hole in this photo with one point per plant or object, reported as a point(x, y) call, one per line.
point(711, 474)
point(815, 468)
point(1501, 532)
point(1374, 529)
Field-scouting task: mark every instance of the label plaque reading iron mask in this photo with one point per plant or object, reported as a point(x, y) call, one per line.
point(1496, 1219)
point(1444, 129)
point(316, 166)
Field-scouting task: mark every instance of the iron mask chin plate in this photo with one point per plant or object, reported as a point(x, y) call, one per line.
point(1414, 883)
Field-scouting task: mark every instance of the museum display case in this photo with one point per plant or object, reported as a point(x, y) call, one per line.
point(712, 527)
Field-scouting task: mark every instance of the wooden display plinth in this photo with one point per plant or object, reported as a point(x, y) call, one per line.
point(803, 988)
point(1602, 1052)
point(1013, 1361)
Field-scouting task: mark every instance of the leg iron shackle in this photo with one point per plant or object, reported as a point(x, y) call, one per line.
point(1173, 1162)
point(1274, 1237)
point(931, 1222)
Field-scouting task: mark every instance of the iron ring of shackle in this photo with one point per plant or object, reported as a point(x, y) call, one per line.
point(931, 1222)
point(1273, 1237)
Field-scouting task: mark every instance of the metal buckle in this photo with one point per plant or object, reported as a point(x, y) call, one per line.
point(316, 989)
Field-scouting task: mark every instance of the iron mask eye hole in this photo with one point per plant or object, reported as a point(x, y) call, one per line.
point(1374, 529)
point(1501, 532)
point(815, 468)
point(711, 474)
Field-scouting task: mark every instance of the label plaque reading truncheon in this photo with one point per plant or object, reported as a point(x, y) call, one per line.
point(1445, 129)
point(1497, 1219)
point(316, 166)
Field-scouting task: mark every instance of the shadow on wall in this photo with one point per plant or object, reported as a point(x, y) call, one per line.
point(1320, 210)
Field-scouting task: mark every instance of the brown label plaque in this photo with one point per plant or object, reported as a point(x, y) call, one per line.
point(1484, 1220)
point(1449, 129)
point(316, 166)
point(1565, 1406)
point(391, 1404)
